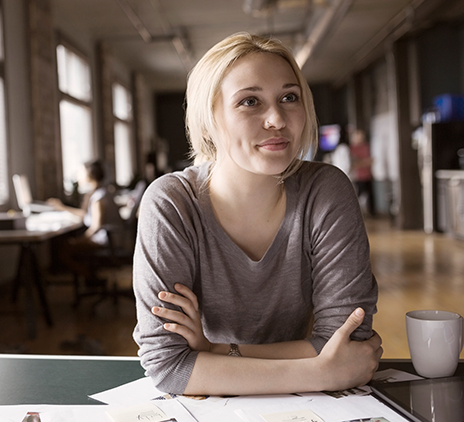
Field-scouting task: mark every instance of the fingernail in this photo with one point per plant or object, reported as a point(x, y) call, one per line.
point(359, 312)
point(162, 295)
point(155, 309)
point(166, 326)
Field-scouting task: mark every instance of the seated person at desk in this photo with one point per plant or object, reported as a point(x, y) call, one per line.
point(99, 213)
point(251, 269)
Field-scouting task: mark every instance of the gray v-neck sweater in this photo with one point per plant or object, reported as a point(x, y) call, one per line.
point(317, 268)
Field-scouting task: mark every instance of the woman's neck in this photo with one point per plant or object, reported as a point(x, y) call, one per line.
point(249, 209)
point(244, 190)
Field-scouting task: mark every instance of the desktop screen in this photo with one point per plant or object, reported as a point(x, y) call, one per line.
point(329, 137)
point(22, 190)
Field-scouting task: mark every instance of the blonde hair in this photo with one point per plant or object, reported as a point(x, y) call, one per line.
point(203, 88)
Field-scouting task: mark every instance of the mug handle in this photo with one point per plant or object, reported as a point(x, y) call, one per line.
point(462, 334)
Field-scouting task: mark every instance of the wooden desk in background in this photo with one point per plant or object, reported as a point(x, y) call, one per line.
point(39, 229)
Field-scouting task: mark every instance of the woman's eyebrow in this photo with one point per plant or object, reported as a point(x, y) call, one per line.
point(250, 88)
point(258, 88)
point(291, 85)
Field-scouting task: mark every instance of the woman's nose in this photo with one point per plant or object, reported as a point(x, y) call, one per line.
point(274, 119)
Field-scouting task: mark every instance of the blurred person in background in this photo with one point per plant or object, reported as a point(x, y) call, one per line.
point(100, 216)
point(361, 164)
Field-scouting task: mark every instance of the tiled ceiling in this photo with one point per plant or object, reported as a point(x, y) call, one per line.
point(164, 38)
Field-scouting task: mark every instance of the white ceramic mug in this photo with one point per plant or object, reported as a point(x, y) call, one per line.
point(435, 340)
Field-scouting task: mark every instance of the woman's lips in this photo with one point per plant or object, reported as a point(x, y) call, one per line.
point(275, 144)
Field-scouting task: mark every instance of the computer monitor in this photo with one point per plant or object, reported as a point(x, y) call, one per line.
point(24, 196)
point(329, 137)
point(22, 190)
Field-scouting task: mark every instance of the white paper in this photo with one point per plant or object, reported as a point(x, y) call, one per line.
point(89, 413)
point(58, 413)
point(174, 409)
point(135, 392)
point(352, 408)
point(137, 413)
point(254, 411)
point(223, 409)
point(295, 416)
point(327, 407)
point(340, 406)
point(393, 375)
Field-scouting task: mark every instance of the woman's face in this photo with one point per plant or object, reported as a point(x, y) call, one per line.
point(259, 115)
point(83, 179)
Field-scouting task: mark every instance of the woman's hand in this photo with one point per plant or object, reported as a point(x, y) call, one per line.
point(56, 203)
point(187, 324)
point(350, 363)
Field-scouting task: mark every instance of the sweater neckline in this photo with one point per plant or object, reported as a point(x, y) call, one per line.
point(219, 232)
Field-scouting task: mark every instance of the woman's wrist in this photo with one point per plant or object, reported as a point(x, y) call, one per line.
point(219, 349)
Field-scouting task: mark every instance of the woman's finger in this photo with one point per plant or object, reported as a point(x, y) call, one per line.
point(174, 316)
point(181, 330)
point(187, 306)
point(353, 321)
point(185, 291)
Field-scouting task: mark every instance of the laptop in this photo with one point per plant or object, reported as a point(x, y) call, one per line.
point(24, 196)
point(425, 400)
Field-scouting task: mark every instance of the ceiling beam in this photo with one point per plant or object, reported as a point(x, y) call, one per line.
point(402, 23)
point(325, 25)
point(176, 36)
point(135, 20)
point(180, 39)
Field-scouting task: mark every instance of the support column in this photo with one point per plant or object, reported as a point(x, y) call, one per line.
point(410, 205)
point(105, 86)
point(43, 74)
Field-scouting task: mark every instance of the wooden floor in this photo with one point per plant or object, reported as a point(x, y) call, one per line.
point(414, 271)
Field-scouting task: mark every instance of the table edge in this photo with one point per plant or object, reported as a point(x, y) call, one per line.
point(67, 357)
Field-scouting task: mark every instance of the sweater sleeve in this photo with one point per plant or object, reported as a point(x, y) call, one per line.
point(164, 255)
point(340, 257)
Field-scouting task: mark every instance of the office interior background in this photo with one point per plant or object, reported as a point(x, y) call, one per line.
point(81, 79)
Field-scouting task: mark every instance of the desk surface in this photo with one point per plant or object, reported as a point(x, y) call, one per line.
point(42, 227)
point(42, 379)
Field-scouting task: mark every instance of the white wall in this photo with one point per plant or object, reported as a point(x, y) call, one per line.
point(19, 117)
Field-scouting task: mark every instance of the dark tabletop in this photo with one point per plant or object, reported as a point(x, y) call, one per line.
point(32, 379)
point(62, 381)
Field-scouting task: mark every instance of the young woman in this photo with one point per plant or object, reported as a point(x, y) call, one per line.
point(99, 213)
point(252, 271)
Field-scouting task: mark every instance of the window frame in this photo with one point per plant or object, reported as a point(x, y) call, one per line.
point(64, 96)
point(69, 46)
point(130, 124)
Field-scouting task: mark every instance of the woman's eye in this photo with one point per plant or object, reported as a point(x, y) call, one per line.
point(290, 98)
point(249, 102)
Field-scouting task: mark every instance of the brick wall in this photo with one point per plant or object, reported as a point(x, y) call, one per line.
point(106, 78)
point(47, 151)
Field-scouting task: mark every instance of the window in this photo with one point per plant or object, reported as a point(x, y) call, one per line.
point(76, 126)
point(4, 194)
point(123, 140)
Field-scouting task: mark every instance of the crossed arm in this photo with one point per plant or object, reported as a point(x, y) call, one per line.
point(286, 367)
